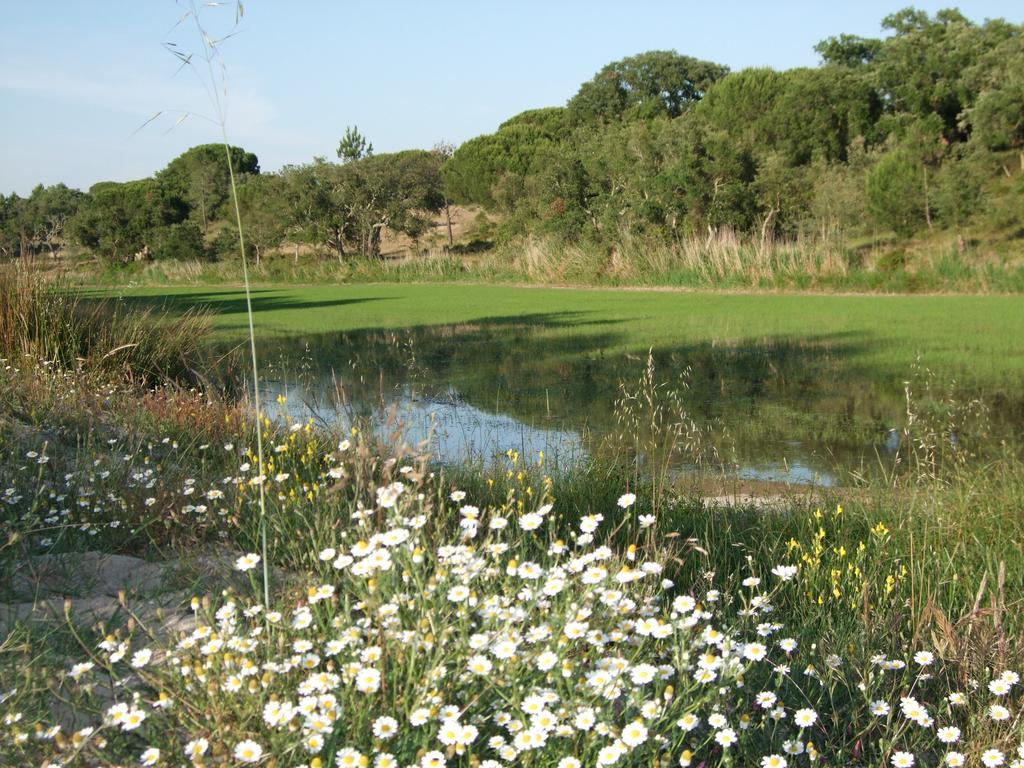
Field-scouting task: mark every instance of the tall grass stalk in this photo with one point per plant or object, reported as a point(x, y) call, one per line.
point(210, 53)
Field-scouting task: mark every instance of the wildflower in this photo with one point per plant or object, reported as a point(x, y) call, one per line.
point(991, 758)
point(388, 495)
point(150, 756)
point(755, 651)
point(634, 734)
point(785, 572)
point(247, 563)
point(141, 658)
point(132, 719)
point(924, 658)
point(433, 760)
point(726, 737)
point(955, 759)
point(793, 747)
point(879, 708)
point(196, 748)
point(902, 760)
point(610, 754)
point(948, 735)
point(774, 761)
point(368, 680)
point(81, 668)
point(998, 712)
point(248, 751)
point(642, 674)
point(458, 593)
point(531, 521)
point(385, 727)
point(805, 718)
point(627, 500)
point(999, 687)
point(349, 758)
point(419, 717)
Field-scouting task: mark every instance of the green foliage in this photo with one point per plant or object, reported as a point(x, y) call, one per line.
point(353, 145)
point(201, 178)
point(959, 188)
point(181, 240)
point(118, 221)
point(849, 50)
point(263, 202)
point(349, 205)
point(997, 117)
point(923, 67)
point(397, 191)
point(479, 165)
point(895, 192)
point(37, 222)
point(646, 85)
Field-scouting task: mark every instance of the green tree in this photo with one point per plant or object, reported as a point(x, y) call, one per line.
point(201, 178)
point(262, 201)
point(849, 50)
point(742, 105)
point(349, 205)
point(47, 212)
point(997, 118)
point(959, 187)
point(648, 84)
point(480, 164)
point(119, 221)
point(316, 204)
point(819, 112)
point(922, 68)
point(399, 191)
point(894, 188)
point(353, 145)
point(11, 229)
point(30, 224)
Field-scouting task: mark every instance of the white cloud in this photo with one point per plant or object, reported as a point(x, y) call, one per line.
point(140, 95)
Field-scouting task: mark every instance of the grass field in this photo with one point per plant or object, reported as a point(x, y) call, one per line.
point(973, 338)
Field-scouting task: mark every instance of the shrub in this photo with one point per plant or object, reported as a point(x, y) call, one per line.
point(895, 192)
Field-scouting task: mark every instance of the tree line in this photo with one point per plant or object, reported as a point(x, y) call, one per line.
point(910, 131)
point(341, 206)
point(897, 134)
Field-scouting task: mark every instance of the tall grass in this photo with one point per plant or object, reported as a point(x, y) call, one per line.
point(48, 320)
point(722, 260)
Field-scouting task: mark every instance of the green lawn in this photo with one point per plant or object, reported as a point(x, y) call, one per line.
point(974, 338)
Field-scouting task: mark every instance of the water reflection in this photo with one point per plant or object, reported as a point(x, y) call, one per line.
point(782, 409)
point(446, 425)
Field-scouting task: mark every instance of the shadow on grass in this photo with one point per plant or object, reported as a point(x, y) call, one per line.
point(233, 302)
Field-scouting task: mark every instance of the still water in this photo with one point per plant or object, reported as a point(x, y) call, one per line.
point(784, 411)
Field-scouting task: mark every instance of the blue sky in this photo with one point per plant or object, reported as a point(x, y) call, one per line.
point(77, 79)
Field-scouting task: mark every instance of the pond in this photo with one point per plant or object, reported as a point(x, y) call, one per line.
point(803, 388)
point(778, 410)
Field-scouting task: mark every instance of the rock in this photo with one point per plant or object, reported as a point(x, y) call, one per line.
point(748, 500)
